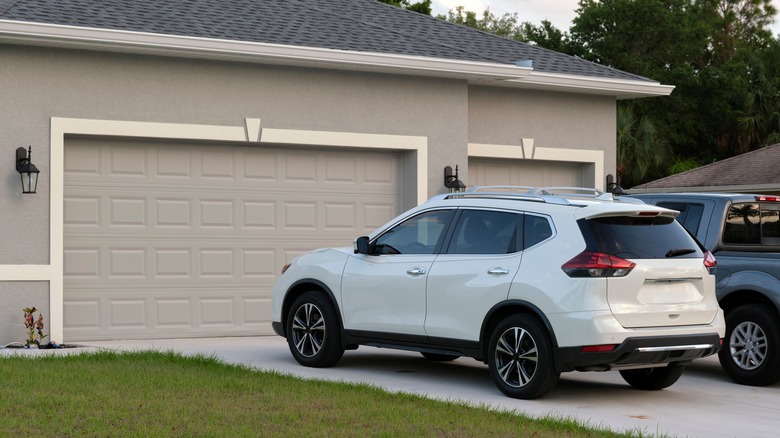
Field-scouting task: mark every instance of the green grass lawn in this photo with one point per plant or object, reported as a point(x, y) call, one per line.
point(167, 394)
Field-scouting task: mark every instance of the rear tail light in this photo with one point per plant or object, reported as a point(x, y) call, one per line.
point(597, 264)
point(710, 262)
point(767, 198)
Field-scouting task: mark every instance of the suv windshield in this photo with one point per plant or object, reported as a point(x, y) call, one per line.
point(639, 237)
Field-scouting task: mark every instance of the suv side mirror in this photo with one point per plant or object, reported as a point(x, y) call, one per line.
point(361, 245)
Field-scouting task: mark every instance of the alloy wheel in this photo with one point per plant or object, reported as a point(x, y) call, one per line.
point(516, 357)
point(308, 330)
point(748, 345)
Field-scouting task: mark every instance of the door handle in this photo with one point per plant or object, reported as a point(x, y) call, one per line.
point(416, 271)
point(498, 271)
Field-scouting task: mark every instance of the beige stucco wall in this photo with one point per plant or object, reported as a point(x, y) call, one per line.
point(554, 120)
point(41, 83)
point(45, 83)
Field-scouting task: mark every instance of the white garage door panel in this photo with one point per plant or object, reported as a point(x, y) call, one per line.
point(532, 173)
point(165, 240)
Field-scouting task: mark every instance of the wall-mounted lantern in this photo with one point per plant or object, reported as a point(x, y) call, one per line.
point(451, 180)
point(613, 186)
point(27, 169)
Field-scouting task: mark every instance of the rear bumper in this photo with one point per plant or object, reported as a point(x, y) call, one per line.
point(639, 353)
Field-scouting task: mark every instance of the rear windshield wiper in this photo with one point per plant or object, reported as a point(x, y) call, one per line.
point(679, 252)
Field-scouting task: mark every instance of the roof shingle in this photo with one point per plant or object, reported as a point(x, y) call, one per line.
point(354, 25)
point(761, 166)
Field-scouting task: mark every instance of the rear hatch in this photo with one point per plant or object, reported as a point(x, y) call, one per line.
point(668, 284)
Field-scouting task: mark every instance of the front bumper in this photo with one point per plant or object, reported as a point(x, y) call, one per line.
point(641, 352)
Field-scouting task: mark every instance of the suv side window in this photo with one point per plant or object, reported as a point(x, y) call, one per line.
point(421, 234)
point(536, 229)
point(485, 232)
point(690, 214)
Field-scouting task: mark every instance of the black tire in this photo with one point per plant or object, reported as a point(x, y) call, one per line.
point(751, 349)
point(437, 357)
point(520, 358)
point(653, 379)
point(313, 332)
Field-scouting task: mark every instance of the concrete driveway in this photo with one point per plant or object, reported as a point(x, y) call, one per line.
point(703, 403)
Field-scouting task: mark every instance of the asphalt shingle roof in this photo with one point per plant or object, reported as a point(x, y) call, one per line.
point(758, 167)
point(354, 25)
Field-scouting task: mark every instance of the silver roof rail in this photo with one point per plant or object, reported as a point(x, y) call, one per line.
point(553, 195)
point(517, 193)
point(509, 196)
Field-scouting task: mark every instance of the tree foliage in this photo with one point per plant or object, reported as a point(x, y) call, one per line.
point(719, 55)
point(641, 150)
point(704, 48)
point(423, 6)
point(505, 26)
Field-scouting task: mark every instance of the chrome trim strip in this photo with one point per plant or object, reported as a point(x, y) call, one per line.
point(675, 347)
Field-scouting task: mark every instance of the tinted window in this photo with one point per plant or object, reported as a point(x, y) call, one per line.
point(485, 232)
point(690, 214)
point(535, 230)
point(639, 237)
point(420, 234)
point(770, 226)
point(752, 224)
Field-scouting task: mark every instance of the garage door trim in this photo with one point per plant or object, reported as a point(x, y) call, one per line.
point(527, 151)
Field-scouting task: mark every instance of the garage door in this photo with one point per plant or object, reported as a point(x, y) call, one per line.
point(185, 240)
point(533, 173)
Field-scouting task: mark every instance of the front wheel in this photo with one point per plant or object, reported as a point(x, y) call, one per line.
point(313, 333)
point(751, 350)
point(520, 358)
point(653, 379)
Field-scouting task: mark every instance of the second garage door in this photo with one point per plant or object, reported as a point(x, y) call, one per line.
point(532, 173)
point(185, 240)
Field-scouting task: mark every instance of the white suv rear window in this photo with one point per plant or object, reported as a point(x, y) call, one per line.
point(631, 237)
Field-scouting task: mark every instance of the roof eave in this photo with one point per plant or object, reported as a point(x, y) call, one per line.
point(108, 40)
point(736, 188)
point(621, 89)
point(72, 37)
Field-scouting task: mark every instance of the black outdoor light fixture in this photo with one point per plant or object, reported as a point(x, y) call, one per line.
point(27, 169)
point(451, 180)
point(613, 187)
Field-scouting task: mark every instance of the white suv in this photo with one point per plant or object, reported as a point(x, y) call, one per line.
point(533, 283)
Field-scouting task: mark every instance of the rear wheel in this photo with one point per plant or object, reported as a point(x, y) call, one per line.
point(653, 379)
point(520, 358)
point(313, 333)
point(751, 354)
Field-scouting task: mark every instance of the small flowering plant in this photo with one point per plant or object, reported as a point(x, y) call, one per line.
point(34, 326)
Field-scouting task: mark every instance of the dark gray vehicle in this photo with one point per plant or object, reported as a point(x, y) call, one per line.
point(743, 232)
